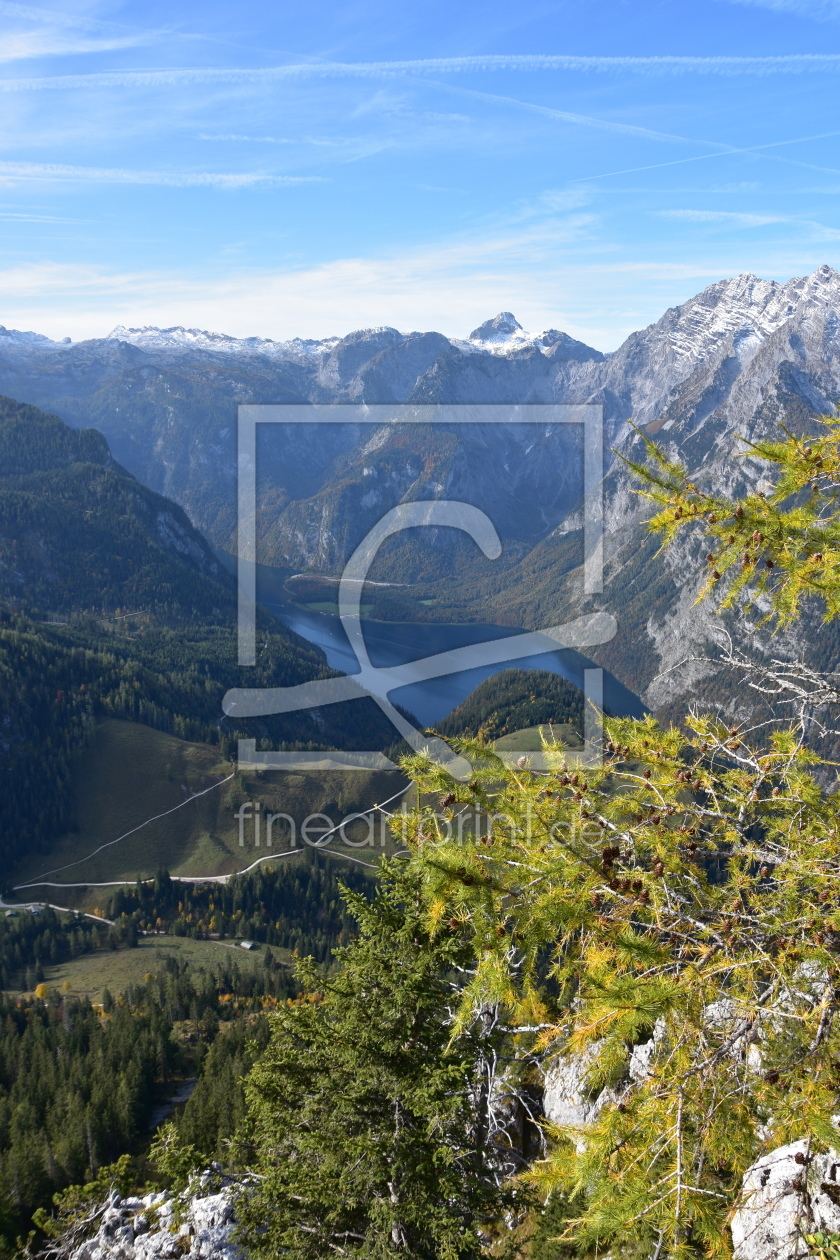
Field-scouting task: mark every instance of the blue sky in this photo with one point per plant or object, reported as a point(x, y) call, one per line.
point(281, 169)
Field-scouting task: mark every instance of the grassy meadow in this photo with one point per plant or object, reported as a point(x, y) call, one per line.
point(131, 773)
point(89, 974)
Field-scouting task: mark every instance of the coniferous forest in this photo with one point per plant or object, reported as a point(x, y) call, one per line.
point(298, 907)
point(79, 1083)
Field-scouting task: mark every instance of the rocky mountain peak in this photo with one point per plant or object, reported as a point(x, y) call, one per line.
point(708, 341)
point(743, 304)
point(11, 336)
point(505, 336)
point(559, 345)
point(502, 328)
point(383, 334)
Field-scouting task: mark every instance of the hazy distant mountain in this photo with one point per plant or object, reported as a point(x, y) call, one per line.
point(166, 401)
point(734, 360)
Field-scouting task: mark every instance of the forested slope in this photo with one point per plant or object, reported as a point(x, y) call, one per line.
point(82, 543)
point(79, 533)
point(514, 700)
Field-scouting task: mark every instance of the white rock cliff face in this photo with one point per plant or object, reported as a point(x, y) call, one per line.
point(566, 1098)
point(786, 1195)
point(161, 1227)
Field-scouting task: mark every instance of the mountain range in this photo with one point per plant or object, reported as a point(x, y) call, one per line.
point(730, 363)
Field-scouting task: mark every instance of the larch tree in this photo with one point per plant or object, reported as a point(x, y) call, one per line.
point(680, 902)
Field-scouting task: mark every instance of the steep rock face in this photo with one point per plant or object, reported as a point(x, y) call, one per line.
point(346, 359)
point(391, 375)
point(661, 366)
point(751, 367)
point(560, 346)
point(501, 329)
point(567, 1101)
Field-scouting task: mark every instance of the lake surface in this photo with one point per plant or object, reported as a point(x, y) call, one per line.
point(396, 643)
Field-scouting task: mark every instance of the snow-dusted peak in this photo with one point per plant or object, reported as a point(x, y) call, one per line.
point(10, 337)
point(306, 345)
point(179, 338)
point(743, 307)
point(504, 327)
point(371, 334)
point(502, 335)
point(505, 335)
point(182, 340)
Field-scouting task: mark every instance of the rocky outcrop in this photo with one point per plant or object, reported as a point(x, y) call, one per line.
point(194, 1226)
point(787, 1194)
point(568, 1097)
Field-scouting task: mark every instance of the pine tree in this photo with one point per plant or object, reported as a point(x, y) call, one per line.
point(367, 1115)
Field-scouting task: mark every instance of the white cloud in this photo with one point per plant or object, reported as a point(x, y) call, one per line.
point(791, 63)
point(333, 298)
point(729, 217)
point(22, 172)
point(23, 217)
point(46, 43)
point(727, 150)
point(173, 78)
point(578, 120)
point(538, 274)
point(238, 139)
point(54, 17)
point(732, 218)
point(451, 288)
point(51, 33)
point(821, 10)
